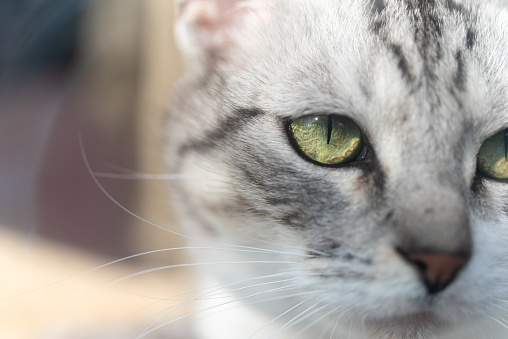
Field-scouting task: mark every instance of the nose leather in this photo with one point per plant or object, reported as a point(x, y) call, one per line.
point(437, 270)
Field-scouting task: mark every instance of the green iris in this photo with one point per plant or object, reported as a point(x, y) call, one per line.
point(327, 139)
point(493, 156)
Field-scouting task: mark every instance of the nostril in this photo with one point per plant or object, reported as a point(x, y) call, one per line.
point(437, 270)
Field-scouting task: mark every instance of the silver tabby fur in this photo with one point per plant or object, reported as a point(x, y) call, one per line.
point(426, 81)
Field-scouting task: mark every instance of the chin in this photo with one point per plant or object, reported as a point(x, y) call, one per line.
point(415, 326)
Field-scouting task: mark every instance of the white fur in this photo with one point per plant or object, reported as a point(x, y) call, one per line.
point(299, 57)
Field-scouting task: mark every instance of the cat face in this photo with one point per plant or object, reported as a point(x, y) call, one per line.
point(404, 239)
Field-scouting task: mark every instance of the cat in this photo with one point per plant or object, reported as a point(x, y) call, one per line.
point(345, 163)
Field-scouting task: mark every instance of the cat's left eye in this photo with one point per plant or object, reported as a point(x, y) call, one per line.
point(326, 139)
point(493, 156)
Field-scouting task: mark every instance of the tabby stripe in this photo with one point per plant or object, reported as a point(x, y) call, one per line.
point(376, 10)
point(470, 38)
point(460, 76)
point(455, 7)
point(378, 6)
point(228, 127)
point(402, 64)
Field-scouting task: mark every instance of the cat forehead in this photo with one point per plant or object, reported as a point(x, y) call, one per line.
point(348, 57)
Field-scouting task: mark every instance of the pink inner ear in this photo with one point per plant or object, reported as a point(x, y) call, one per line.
point(214, 30)
point(209, 15)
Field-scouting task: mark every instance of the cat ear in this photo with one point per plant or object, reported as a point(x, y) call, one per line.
point(210, 32)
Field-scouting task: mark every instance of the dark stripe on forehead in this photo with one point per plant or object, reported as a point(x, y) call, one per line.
point(378, 6)
point(402, 64)
point(451, 5)
point(470, 38)
point(460, 76)
point(427, 18)
point(466, 14)
point(225, 128)
point(427, 27)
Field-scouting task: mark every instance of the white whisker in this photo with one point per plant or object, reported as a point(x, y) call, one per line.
point(292, 321)
point(214, 288)
point(251, 286)
point(141, 176)
point(502, 323)
point(305, 249)
point(334, 327)
point(304, 317)
point(281, 297)
point(161, 268)
point(176, 307)
point(77, 275)
point(314, 322)
point(209, 308)
point(276, 318)
point(208, 296)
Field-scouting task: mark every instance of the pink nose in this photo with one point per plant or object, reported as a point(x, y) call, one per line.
point(437, 270)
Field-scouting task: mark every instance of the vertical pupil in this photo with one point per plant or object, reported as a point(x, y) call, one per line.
point(329, 137)
point(506, 143)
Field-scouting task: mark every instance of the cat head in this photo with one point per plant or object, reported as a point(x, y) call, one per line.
point(407, 225)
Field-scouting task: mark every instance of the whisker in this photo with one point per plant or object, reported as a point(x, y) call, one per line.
point(502, 323)
point(209, 308)
point(214, 288)
point(281, 297)
point(122, 169)
point(141, 176)
point(140, 273)
point(161, 268)
point(305, 317)
point(335, 327)
point(176, 307)
point(251, 286)
point(314, 322)
point(276, 318)
point(77, 275)
point(305, 249)
point(292, 320)
point(208, 296)
point(272, 299)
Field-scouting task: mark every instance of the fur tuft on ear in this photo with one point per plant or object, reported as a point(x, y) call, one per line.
point(209, 32)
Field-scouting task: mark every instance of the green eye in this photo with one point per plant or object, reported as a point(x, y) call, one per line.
point(493, 156)
point(326, 139)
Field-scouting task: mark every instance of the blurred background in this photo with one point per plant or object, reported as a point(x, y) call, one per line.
point(100, 71)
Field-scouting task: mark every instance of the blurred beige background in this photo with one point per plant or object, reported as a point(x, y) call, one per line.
point(55, 221)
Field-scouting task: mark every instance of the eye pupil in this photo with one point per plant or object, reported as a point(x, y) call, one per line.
point(506, 143)
point(326, 139)
point(329, 136)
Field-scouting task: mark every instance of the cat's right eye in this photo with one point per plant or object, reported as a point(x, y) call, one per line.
point(493, 156)
point(326, 139)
